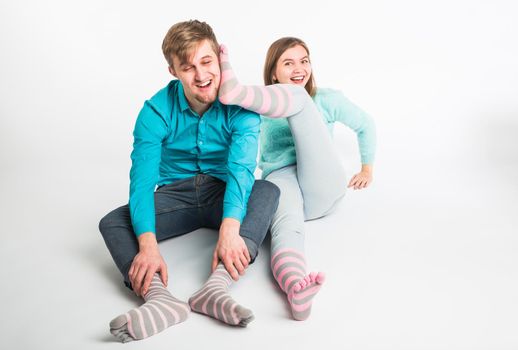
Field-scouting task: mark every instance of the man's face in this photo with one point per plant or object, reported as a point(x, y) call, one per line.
point(199, 75)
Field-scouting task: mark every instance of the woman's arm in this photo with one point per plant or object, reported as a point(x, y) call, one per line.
point(340, 109)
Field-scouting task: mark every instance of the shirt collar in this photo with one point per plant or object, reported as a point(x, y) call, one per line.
point(184, 105)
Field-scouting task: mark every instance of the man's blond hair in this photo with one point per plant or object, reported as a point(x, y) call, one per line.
point(183, 37)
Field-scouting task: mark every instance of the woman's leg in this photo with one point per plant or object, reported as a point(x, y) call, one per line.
point(320, 172)
point(321, 175)
point(287, 247)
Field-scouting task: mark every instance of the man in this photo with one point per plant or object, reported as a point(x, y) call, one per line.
point(202, 156)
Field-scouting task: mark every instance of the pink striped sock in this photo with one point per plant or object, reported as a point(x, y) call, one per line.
point(289, 270)
point(160, 311)
point(279, 100)
point(214, 300)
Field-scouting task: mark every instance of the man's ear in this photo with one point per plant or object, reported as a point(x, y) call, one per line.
point(171, 70)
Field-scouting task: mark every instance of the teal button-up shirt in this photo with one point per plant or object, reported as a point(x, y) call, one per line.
point(172, 142)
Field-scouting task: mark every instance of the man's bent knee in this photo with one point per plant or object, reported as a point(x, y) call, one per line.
point(268, 189)
point(115, 217)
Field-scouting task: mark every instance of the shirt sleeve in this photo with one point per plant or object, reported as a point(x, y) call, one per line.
point(242, 160)
point(347, 113)
point(150, 131)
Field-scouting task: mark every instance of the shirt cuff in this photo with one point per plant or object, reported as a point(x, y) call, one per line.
point(367, 159)
point(230, 211)
point(143, 227)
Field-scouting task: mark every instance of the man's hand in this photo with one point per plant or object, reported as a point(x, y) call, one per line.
point(146, 263)
point(231, 249)
point(362, 179)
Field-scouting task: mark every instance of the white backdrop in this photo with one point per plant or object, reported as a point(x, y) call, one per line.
point(426, 257)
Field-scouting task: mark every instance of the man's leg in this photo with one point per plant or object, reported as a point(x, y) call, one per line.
point(213, 298)
point(262, 205)
point(177, 212)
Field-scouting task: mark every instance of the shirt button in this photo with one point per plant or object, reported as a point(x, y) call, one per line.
point(201, 122)
point(201, 142)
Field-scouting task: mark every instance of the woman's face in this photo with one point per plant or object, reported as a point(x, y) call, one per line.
point(293, 67)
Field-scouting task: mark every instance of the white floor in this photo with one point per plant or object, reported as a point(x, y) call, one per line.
point(426, 258)
point(411, 264)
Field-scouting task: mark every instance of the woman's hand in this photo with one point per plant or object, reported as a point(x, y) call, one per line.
point(362, 179)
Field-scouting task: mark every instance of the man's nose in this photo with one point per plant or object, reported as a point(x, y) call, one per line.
point(201, 73)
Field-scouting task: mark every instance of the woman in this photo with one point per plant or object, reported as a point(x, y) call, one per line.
point(298, 156)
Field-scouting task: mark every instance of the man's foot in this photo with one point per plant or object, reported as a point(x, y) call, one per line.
point(160, 311)
point(214, 300)
point(301, 295)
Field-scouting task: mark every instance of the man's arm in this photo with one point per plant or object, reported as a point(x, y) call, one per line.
point(231, 248)
point(150, 130)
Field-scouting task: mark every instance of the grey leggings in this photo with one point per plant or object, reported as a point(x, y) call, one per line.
point(311, 188)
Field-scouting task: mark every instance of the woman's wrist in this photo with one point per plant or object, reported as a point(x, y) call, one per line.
point(367, 168)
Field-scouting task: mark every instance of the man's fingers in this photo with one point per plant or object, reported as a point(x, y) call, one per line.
point(147, 280)
point(246, 258)
point(163, 274)
point(244, 261)
point(131, 270)
point(230, 269)
point(239, 265)
point(247, 255)
point(133, 277)
point(215, 261)
point(138, 280)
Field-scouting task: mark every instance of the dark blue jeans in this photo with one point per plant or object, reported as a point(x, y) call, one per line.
point(187, 205)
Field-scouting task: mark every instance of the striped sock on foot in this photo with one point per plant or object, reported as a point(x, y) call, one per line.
point(289, 270)
point(214, 300)
point(160, 311)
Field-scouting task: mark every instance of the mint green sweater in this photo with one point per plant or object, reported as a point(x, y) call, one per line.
point(277, 147)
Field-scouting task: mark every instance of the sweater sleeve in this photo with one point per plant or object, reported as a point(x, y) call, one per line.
point(150, 130)
point(241, 164)
point(342, 110)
